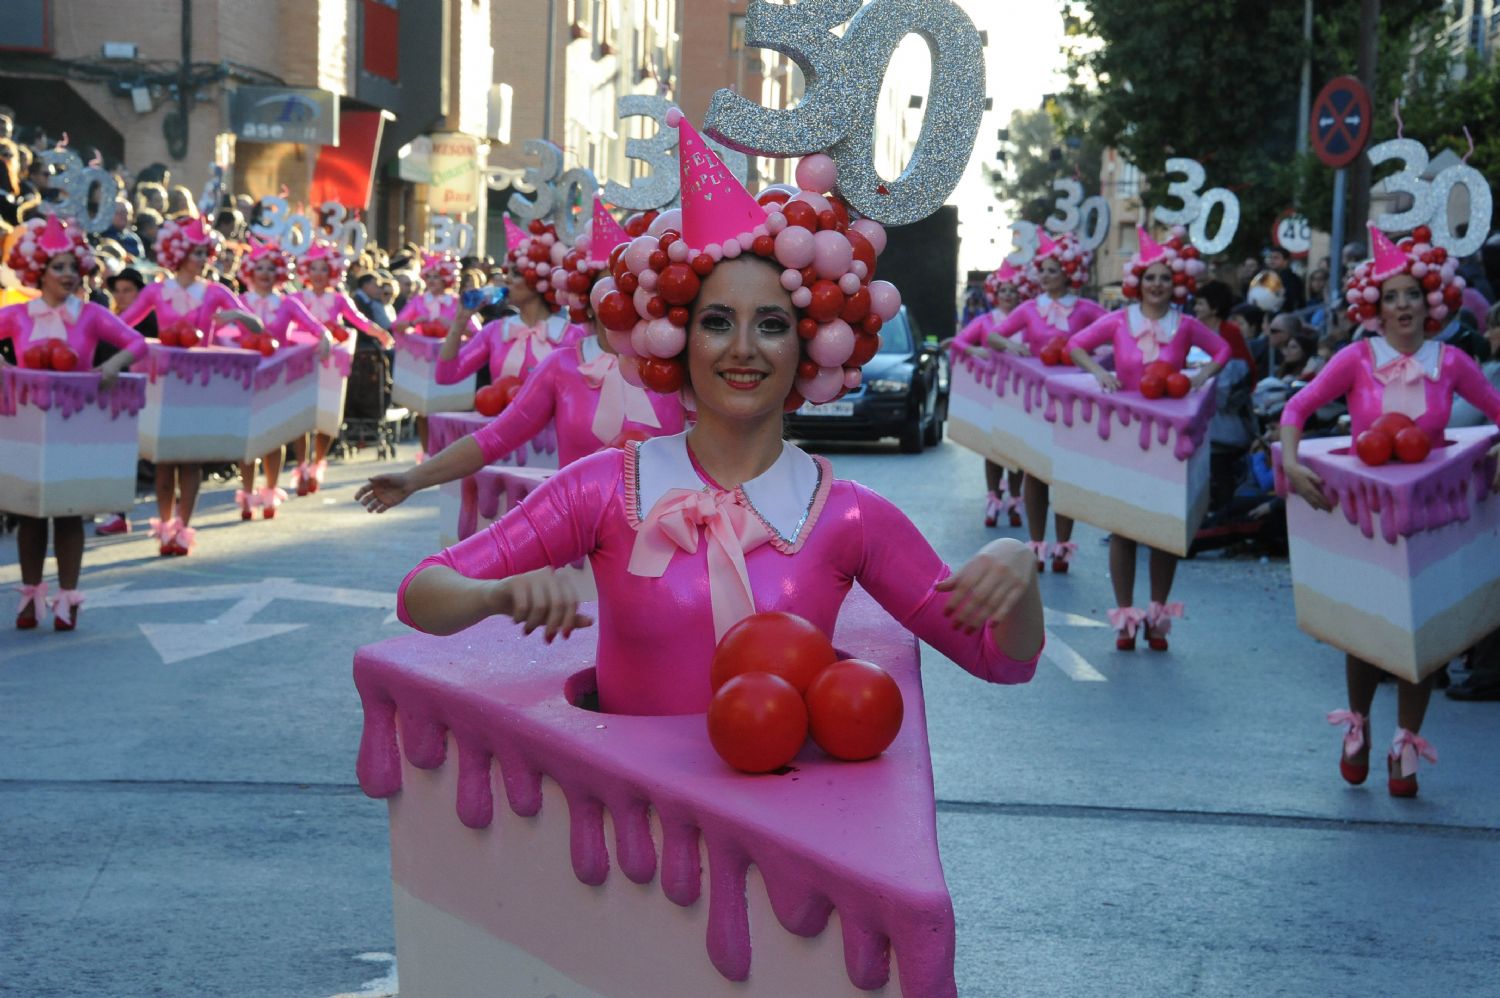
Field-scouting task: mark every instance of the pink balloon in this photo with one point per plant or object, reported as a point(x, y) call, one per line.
point(664, 339)
point(558, 251)
point(671, 219)
point(852, 377)
point(817, 173)
point(543, 269)
point(871, 230)
point(731, 249)
point(638, 253)
point(601, 288)
point(648, 280)
point(795, 247)
point(639, 345)
point(822, 388)
point(678, 251)
point(849, 284)
point(802, 297)
point(832, 345)
point(630, 370)
point(791, 279)
point(885, 300)
point(775, 222)
point(641, 299)
point(620, 341)
point(832, 254)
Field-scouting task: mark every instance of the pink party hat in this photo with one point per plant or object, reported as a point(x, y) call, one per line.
point(514, 234)
point(194, 232)
point(606, 235)
point(1388, 258)
point(1148, 250)
point(320, 250)
point(1045, 246)
point(1007, 274)
point(716, 209)
point(54, 238)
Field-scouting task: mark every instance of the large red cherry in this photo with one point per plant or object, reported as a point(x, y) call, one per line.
point(779, 643)
point(757, 722)
point(855, 709)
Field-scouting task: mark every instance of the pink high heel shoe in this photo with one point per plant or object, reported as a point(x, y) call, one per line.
point(245, 501)
point(165, 531)
point(1062, 556)
point(994, 505)
point(1401, 763)
point(1126, 620)
point(66, 606)
point(270, 501)
point(1159, 623)
point(1040, 549)
point(33, 605)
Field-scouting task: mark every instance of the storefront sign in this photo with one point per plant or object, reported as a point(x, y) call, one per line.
point(284, 114)
point(454, 189)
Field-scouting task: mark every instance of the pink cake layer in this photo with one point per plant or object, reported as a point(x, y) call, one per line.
point(423, 348)
point(1001, 402)
point(200, 364)
point(68, 392)
point(1404, 498)
point(489, 487)
point(202, 417)
point(857, 838)
point(1182, 422)
point(414, 385)
point(289, 364)
point(444, 428)
point(333, 385)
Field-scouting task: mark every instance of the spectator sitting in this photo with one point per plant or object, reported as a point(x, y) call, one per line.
point(1254, 512)
point(1267, 349)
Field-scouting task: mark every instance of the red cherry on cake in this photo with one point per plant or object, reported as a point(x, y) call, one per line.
point(1060, 344)
point(269, 345)
point(1374, 447)
point(188, 337)
point(488, 401)
point(510, 387)
point(1392, 423)
point(1153, 386)
point(1160, 368)
point(855, 710)
point(1178, 385)
point(1051, 355)
point(782, 644)
point(757, 722)
point(1412, 445)
point(37, 357)
point(61, 356)
point(167, 337)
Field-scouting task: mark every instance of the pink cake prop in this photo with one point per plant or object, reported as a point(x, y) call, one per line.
point(444, 428)
point(1131, 465)
point(333, 385)
point(492, 491)
point(285, 403)
point(1404, 571)
point(69, 448)
point(414, 379)
point(998, 408)
point(198, 403)
point(816, 879)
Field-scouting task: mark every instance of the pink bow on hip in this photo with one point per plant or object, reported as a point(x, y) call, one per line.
point(519, 337)
point(35, 597)
point(48, 323)
point(619, 400)
point(1150, 339)
point(1055, 314)
point(1354, 738)
point(675, 522)
point(1405, 391)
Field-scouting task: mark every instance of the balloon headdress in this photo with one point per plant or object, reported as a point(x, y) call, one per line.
point(440, 270)
point(1433, 268)
point(1176, 253)
point(827, 263)
point(260, 250)
point(42, 239)
point(1076, 262)
point(588, 260)
point(534, 254)
point(177, 238)
point(1010, 274)
point(324, 250)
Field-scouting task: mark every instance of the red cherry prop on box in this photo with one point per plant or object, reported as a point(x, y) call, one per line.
point(1153, 386)
point(1051, 355)
point(510, 387)
point(1412, 445)
point(1392, 423)
point(782, 644)
point(37, 357)
point(757, 722)
point(1158, 368)
point(61, 356)
point(433, 330)
point(855, 710)
point(1178, 385)
point(1374, 448)
point(489, 401)
point(337, 331)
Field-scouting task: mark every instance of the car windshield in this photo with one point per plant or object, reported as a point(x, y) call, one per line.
point(895, 336)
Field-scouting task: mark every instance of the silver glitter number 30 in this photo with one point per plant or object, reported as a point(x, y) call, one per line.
point(1198, 207)
point(659, 187)
point(77, 182)
point(844, 75)
point(1074, 212)
point(1429, 199)
point(539, 178)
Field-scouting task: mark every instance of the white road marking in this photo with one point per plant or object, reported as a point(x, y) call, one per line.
point(380, 987)
point(1061, 618)
point(180, 642)
point(1073, 665)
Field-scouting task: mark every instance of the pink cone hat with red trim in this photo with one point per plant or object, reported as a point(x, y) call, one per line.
point(1007, 274)
point(606, 233)
point(54, 238)
point(1388, 258)
point(513, 233)
point(1045, 247)
point(716, 208)
point(1149, 250)
point(194, 232)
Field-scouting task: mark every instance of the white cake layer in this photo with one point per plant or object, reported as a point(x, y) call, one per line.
point(450, 499)
point(1022, 439)
point(332, 387)
point(498, 911)
point(414, 385)
point(280, 415)
point(187, 421)
point(1146, 495)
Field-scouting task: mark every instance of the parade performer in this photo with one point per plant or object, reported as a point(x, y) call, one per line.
point(579, 387)
point(54, 257)
point(1004, 291)
point(513, 345)
point(1060, 268)
point(439, 304)
point(263, 272)
point(1149, 329)
point(728, 518)
point(1397, 369)
point(188, 309)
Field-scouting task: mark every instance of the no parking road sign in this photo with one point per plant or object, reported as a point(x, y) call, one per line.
point(1340, 122)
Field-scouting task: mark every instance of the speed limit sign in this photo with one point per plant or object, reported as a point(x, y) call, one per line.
point(1293, 234)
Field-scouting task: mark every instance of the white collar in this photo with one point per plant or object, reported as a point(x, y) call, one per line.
point(1167, 324)
point(1429, 354)
point(782, 496)
point(1066, 301)
point(591, 349)
point(556, 323)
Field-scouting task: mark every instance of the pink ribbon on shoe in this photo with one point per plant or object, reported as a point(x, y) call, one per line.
point(519, 336)
point(1055, 314)
point(1064, 551)
point(993, 506)
point(1405, 390)
point(675, 523)
point(243, 499)
point(64, 603)
point(1159, 615)
point(35, 597)
point(619, 400)
point(1038, 548)
point(1354, 738)
point(270, 498)
point(1127, 619)
point(1407, 746)
point(163, 530)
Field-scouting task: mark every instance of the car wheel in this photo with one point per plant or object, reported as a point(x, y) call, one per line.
point(912, 436)
point(934, 434)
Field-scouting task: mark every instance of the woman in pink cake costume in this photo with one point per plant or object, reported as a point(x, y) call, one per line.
point(1060, 268)
point(1005, 289)
point(320, 270)
point(264, 271)
point(438, 305)
point(580, 387)
point(191, 306)
point(1399, 297)
point(54, 257)
point(728, 519)
point(1147, 330)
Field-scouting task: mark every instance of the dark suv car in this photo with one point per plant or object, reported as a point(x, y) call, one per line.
point(904, 395)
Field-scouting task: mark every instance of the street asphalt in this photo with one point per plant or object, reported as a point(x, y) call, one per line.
point(179, 815)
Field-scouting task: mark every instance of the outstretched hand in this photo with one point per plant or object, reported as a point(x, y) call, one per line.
point(1306, 483)
point(989, 585)
point(382, 492)
point(540, 599)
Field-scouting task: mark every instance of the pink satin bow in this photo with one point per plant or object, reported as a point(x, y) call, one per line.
point(1064, 551)
point(1127, 619)
point(47, 323)
point(34, 597)
point(675, 523)
point(320, 305)
point(179, 298)
point(1405, 391)
point(1407, 746)
point(1055, 314)
point(64, 604)
point(1159, 615)
point(1150, 339)
point(618, 399)
point(519, 336)
point(1354, 738)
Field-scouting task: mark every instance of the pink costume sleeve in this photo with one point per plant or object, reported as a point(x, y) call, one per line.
point(1086, 312)
point(527, 415)
point(900, 569)
point(100, 324)
point(293, 311)
point(1471, 384)
point(411, 311)
point(975, 333)
point(144, 304)
point(1207, 340)
point(1335, 380)
point(344, 308)
point(1097, 333)
point(1017, 321)
point(471, 355)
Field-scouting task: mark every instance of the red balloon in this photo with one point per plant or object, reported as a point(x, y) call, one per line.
point(866, 345)
point(872, 323)
point(782, 644)
point(757, 722)
point(617, 312)
point(827, 301)
point(658, 260)
point(578, 283)
point(1412, 445)
point(536, 226)
point(807, 369)
point(615, 254)
point(678, 315)
point(827, 220)
point(1422, 234)
point(1178, 385)
point(1392, 423)
point(802, 214)
point(864, 252)
point(1373, 447)
point(1051, 355)
point(1153, 386)
point(703, 265)
point(667, 238)
point(38, 357)
point(655, 307)
point(763, 246)
point(768, 197)
point(1431, 281)
point(487, 401)
point(807, 328)
point(809, 276)
point(678, 284)
point(662, 375)
point(856, 306)
point(793, 401)
point(627, 283)
point(855, 709)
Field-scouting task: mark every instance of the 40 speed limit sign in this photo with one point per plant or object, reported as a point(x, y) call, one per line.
point(1293, 234)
